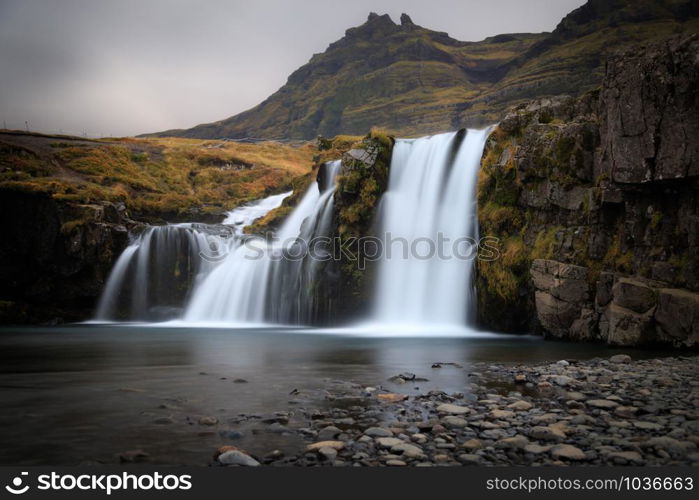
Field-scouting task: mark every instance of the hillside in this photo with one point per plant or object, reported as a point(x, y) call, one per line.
point(170, 179)
point(413, 81)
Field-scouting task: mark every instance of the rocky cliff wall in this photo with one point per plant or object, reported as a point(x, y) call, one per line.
point(55, 257)
point(595, 202)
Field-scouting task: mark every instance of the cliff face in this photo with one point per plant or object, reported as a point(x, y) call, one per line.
point(595, 201)
point(415, 81)
point(55, 257)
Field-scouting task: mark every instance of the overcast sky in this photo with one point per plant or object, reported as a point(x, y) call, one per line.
point(133, 66)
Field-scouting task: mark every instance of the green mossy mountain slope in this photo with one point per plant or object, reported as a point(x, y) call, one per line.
point(415, 81)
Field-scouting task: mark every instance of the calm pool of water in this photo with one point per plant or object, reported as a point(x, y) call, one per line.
point(85, 393)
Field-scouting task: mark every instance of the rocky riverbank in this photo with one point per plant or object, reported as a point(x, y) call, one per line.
point(613, 411)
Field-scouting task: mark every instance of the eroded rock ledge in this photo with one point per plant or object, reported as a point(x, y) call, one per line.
point(595, 202)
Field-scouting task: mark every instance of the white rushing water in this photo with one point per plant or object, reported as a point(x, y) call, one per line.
point(431, 196)
point(192, 273)
point(255, 283)
point(150, 281)
point(241, 217)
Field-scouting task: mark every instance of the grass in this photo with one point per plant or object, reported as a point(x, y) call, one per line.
point(162, 177)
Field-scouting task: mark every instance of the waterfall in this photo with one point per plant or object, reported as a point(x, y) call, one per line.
point(152, 278)
point(261, 281)
point(195, 273)
point(431, 197)
point(241, 217)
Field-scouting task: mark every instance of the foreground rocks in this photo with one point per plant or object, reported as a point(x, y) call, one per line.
point(614, 411)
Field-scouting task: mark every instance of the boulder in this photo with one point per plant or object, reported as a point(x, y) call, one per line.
point(628, 328)
point(634, 295)
point(677, 316)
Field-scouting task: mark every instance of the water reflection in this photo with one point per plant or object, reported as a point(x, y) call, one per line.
point(83, 394)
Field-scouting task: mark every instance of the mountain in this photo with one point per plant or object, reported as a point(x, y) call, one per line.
point(412, 80)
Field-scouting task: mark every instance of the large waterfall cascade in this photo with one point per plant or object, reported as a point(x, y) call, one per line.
point(431, 197)
point(193, 273)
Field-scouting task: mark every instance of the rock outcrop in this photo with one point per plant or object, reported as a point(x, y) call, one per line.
point(55, 257)
point(595, 202)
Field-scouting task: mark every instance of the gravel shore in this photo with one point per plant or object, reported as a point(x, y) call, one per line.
point(613, 411)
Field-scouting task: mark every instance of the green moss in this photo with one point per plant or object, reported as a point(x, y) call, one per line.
point(545, 244)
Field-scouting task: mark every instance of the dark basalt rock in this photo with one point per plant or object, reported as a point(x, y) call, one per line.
point(600, 193)
point(55, 257)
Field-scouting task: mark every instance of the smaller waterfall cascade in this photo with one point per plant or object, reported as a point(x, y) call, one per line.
point(257, 282)
point(431, 196)
point(152, 278)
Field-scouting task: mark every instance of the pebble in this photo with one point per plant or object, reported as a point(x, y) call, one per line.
point(208, 421)
point(568, 452)
point(453, 409)
point(237, 457)
point(378, 432)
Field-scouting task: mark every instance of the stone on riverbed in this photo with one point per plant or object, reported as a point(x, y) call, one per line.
point(453, 421)
point(392, 397)
point(237, 457)
point(408, 450)
point(512, 443)
point(328, 433)
point(337, 445)
point(472, 444)
point(604, 404)
point(520, 405)
point(378, 432)
point(453, 409)
point(388, 442)
point(567, 452)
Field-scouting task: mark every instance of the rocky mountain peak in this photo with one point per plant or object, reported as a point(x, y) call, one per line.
point(405, 20)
